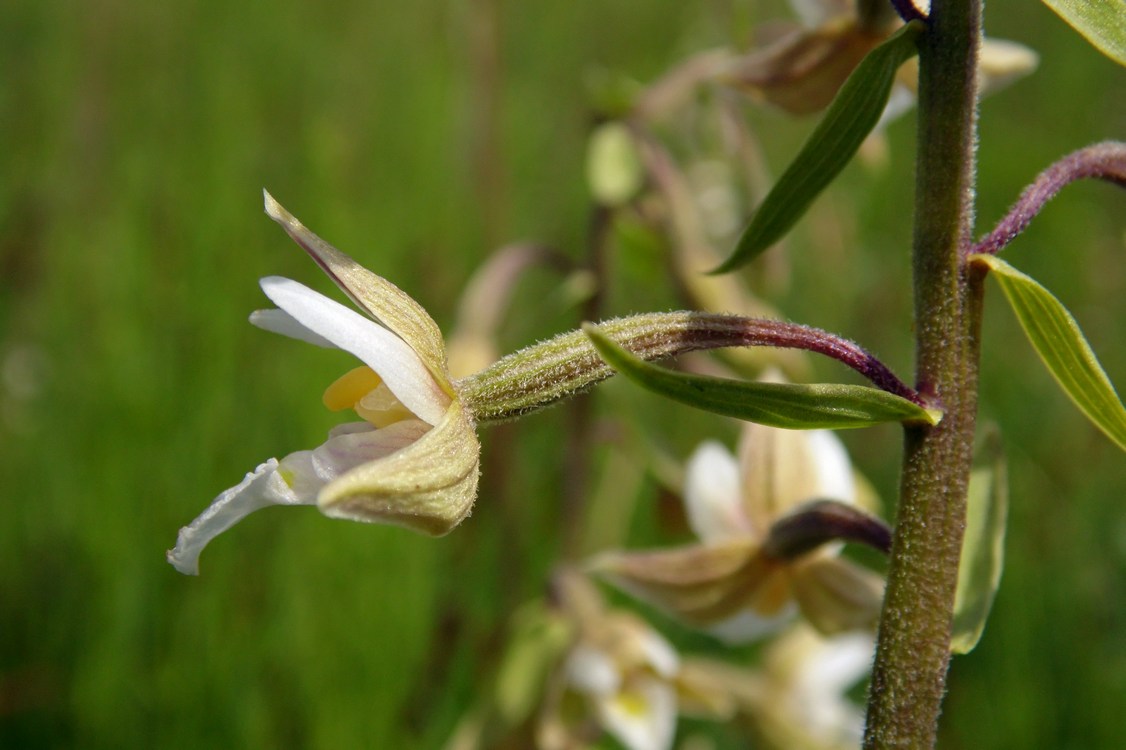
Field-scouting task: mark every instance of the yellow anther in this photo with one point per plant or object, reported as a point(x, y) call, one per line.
point(350, 387)
point(633, 703)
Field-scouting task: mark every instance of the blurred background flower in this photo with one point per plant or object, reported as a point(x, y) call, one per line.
point(732, 584)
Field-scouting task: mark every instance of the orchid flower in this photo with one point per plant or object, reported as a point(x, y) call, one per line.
point(807, 677)
point(797, 699)
point(620, 669)
point(733, 584)
point(803, 65)
point(412, 461)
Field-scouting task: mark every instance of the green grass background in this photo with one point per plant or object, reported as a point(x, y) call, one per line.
point(136, 139)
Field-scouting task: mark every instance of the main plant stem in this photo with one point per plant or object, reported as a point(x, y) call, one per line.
point(913, 650)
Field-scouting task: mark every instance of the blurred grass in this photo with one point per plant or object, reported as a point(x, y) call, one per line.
point(136, 142)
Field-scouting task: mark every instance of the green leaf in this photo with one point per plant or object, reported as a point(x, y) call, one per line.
point(983, 551)
point(795, 407)
point(1062, 347)
point(848, 121)
point(1101, 22)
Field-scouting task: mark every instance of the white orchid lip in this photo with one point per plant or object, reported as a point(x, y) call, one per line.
point(388, 355)
point(261, 488)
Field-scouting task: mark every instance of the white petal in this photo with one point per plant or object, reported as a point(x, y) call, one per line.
point(642, 717)
point(826, 672)
point(281, 322)
point(1001, 62)
point(747, 625)
point(295, 480)
point(712, 495)
point(262, 487)
point(591, 671)
point(345, 451)
point(661, 656)
point(834, 470)
point(348, 428)
point(838, 663)
point(391, 357)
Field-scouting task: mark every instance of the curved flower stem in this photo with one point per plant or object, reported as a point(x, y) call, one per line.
point(545, 373)
point(913, 648)
point(1102, 161)
point(908, 11)
point(820, 521)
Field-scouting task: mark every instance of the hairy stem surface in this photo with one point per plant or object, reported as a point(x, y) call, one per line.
point(913, 651)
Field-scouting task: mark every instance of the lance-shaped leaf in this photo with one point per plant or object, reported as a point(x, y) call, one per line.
point(795, 407)
point(848, 121)
point(1101, 22)
point(1062, 347)
point(983, 551)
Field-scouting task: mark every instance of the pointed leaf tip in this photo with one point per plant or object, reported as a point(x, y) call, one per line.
point(983, 549)
point(1100, 22)
point(1062, 347)
point(786, 405)
point(851, 117)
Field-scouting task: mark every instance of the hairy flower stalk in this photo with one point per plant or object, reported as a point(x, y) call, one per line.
point(544, 373)
point(1102, 161)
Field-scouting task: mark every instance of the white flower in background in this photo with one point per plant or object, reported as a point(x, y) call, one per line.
point(619, 676)
point(806, 679)
point(731, 584)
point(797, 698)
point(800, 67)
point(413, 461)
point(627, 676)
